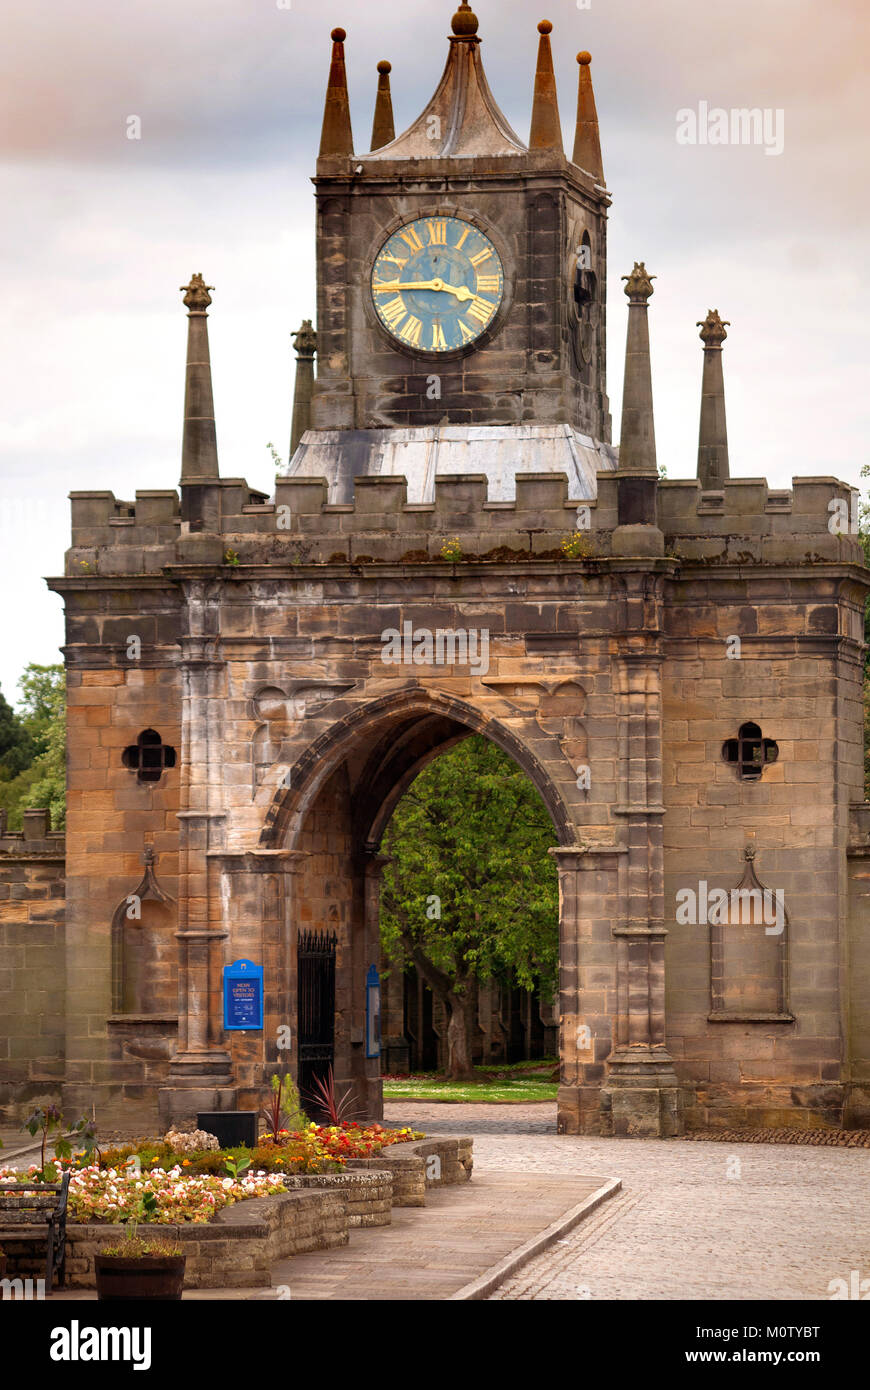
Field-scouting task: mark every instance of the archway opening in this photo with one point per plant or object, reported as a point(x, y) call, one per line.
point(469, 918)
point(343, 793)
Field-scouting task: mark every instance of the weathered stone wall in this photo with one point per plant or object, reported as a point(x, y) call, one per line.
point(294, 740)
point(857, 969)
point(527, 368)
point(118, 1043)
point(797, 675)
point(32, 966)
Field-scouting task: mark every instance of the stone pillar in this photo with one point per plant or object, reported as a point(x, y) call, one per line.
point(200, 1070)
point(305, 343)
point(257, 887)
point(588, 906)
point(367, 952)
point(713, 469)
point(641, 1095)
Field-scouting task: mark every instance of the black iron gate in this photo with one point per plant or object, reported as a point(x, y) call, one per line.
point(316, 982)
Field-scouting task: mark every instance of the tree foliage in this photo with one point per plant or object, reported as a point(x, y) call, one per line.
point(470, 892)
point(33, 771)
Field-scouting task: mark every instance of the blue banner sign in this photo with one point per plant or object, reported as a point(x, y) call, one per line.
point(243, 997)
point(373, 1013)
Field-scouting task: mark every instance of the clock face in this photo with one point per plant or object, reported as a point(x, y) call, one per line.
point(437, 284)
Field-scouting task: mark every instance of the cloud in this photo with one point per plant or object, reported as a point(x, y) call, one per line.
point(99, 231)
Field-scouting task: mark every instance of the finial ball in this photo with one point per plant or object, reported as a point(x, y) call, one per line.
point(465, 22)
point(384, 66)
point(545, 27)
point(338, 35)
point(584, 58)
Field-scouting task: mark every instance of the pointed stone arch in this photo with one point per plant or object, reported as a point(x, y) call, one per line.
point(450, 719)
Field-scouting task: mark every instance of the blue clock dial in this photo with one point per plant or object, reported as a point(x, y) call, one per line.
point(437, 284)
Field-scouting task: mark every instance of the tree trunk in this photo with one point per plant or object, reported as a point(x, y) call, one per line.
point(459, 1021)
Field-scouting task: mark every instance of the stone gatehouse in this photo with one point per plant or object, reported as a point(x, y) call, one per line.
point(676, 665)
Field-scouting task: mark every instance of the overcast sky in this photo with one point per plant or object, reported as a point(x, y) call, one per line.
point(97, 231)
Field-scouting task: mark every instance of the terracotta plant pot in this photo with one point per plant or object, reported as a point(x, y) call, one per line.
point(149, 1276)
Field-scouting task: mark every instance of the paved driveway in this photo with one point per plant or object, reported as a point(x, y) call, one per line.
point(694, 1220)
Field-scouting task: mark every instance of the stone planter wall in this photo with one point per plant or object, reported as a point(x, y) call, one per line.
point(412, 1170)
point(235, 1250)
point(238, 1248)
point(369, 1196)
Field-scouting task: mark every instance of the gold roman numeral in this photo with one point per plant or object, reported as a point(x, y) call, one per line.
point(481, 256)
point(410, 236)
point(480, 309)
point(395, 260)
point(410, 334)
point(437, 233)
point(463, 239)
point(467, 334)
point(394, 312)
point(488, 284)
point(438, 339)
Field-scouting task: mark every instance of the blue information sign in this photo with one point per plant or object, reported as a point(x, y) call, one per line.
point(373, 1013)
point(243, 997)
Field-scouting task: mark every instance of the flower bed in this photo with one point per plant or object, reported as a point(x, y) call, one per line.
point(316, 1149)
point(107, 1195)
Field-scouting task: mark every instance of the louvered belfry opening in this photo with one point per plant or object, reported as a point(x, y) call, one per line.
point(315, 957)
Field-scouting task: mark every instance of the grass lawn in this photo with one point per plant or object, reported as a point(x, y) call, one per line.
point(501, 1091)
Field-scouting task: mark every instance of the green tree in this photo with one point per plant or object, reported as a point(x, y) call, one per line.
point(16, 747)
point(42, 702)
point(41, 781)
point(470, 892)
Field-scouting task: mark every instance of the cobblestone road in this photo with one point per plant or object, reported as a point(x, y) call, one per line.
point(694, 1221)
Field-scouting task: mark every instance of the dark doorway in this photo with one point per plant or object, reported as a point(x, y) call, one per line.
point(315, 958)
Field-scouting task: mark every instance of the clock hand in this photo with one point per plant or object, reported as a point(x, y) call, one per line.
point(460, 291)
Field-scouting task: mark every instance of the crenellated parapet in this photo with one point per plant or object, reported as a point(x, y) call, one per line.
point(745, 522)
point(749, 522)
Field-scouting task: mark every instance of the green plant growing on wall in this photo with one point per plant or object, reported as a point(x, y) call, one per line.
point(451, 549)
point(577, 546)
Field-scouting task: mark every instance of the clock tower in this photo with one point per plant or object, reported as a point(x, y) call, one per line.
point(461, 285)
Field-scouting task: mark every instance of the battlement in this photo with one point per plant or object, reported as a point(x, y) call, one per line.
point(35, 838)
point(744, 522)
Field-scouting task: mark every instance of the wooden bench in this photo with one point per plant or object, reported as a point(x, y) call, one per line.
point(24, 1207)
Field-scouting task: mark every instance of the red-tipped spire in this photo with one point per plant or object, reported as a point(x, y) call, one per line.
point(337, 137)
point(546, 127)
point(384, 127)
point(587, 142)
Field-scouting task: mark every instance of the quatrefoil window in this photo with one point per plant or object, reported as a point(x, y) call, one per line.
point(149, 756)
point(750, 753)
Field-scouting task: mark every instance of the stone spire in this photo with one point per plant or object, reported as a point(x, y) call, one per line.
point(637, 447)
point(713, 436)
point(587, 142)
point(546, 127)
point(384, 127)
point(337, 137)
point(305, 343)
point(463, 119)
point(199, 458)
